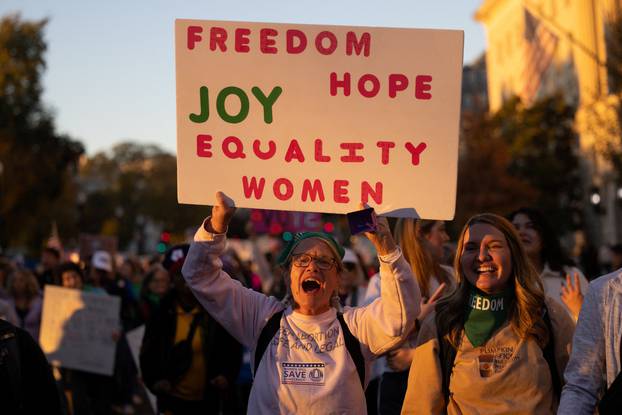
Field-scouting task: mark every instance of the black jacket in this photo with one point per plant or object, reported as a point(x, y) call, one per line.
point(223, 354)
point(27, 385)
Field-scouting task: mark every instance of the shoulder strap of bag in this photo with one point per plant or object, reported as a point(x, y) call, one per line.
point(193, 326)
point(352, 344)
point(354, 348)
point(447, 356)
point(267, 333)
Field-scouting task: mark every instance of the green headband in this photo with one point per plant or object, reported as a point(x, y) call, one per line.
point(301, 236)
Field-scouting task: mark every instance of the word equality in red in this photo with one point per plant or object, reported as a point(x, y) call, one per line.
point(233, 147)
point(313, 190)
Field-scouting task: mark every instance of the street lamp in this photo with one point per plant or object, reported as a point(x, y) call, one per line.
point(595, 199)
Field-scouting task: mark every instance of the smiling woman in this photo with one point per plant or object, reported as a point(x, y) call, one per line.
point(485, 258)
point(311, 357)
point(511, 339)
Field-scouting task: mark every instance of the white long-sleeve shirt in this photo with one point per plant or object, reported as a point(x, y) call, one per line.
point(306, 368)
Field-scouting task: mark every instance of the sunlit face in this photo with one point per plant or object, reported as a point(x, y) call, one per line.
point(311, 286)
point(485, 259)
point(528, 234)
point(71, 279)
point(437, 238)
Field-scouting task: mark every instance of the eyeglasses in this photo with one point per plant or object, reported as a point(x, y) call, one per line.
point(323, 263)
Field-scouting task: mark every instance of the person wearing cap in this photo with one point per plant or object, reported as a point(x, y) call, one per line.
point(100, 275)
point(187, 359)
point(103, 280)
point(307, 357)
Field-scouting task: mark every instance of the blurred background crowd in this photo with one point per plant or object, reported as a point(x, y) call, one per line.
point(153, 293)
point(546, 136)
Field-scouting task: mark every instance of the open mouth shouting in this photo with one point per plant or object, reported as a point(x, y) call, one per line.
point(311, 285)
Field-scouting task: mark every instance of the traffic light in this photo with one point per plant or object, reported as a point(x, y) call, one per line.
point(165, 240)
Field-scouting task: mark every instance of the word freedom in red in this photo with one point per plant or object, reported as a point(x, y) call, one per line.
point(296, 41)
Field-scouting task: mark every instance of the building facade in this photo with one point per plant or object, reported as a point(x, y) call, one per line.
point(537, 48)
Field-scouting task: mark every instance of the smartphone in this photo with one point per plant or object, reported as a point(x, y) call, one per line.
point(362, 221)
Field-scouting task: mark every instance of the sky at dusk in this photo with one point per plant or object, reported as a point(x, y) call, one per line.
point(110, 73)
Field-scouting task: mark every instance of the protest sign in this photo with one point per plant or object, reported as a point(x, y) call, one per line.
point(134, 341)
point(318, 118)
point(90, 243)
point(77, 328)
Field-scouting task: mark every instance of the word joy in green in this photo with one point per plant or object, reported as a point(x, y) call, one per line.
point(267, 102)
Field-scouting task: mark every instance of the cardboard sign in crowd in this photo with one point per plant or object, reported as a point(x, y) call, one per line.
point(318, 118)
point(77, 329)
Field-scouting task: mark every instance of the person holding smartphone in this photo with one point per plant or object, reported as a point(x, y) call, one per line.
point(307, 357)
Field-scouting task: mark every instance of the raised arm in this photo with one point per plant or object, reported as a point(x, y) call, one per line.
point(241, 311)
point(388, 320)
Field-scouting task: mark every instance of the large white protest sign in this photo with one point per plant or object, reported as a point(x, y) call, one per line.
point(77, 329)
point(318, 118)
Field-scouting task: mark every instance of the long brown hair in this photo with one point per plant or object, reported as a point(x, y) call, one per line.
point(525, 314)
point(409, 235)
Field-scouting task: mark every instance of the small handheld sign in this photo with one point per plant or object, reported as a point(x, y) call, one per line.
point(362, 221)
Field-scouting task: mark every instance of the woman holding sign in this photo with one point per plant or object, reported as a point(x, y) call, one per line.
point(307, 356)
point(495, 344)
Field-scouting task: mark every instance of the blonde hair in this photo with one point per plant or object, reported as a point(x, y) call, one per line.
point(410, 236)
point(525, 314)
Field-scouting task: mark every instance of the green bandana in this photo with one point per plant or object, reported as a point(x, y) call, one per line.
point(301, 236)
point(485, 314)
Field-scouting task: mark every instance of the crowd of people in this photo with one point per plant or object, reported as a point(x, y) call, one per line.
point(316, 326)
point(192, 379)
